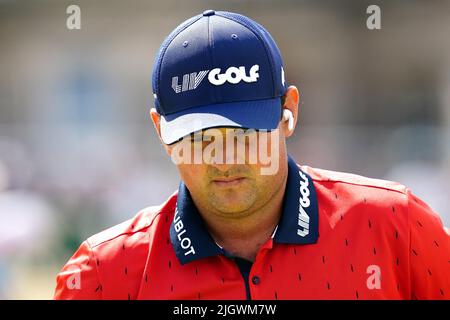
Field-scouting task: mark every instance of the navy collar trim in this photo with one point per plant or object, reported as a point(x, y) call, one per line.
point(298, 224)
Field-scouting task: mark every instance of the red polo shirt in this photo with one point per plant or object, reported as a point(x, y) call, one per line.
point(341, 236)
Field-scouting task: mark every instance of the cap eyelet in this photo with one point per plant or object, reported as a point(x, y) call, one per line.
point(185, 44)
point(234, 36)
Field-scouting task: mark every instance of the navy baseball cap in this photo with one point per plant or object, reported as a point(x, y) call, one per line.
point(217, 69)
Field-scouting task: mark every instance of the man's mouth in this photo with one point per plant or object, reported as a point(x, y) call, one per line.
point(228, 182)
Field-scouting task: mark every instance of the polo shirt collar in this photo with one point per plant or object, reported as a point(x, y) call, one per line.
point(298, 223)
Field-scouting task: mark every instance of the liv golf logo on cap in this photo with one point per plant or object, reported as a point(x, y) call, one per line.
point(233, 75)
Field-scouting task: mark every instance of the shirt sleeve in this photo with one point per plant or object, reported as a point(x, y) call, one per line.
point(78, 279)
point(429, 252)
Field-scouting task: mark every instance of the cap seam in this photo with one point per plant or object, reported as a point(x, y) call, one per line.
point(211, 53)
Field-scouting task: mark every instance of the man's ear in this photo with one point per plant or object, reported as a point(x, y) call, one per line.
point(156, 118)
point(291, 100)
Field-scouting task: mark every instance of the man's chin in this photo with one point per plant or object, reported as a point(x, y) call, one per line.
point(233, 207)
point(232, 214)
point(233, 200)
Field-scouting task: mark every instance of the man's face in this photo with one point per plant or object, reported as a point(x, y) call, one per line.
point(237, 188)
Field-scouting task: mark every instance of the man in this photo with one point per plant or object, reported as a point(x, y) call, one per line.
point(240, 228)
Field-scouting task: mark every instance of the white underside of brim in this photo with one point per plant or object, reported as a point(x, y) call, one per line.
point(176, 129)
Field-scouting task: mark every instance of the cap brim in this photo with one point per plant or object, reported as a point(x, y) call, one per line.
point(257, 114)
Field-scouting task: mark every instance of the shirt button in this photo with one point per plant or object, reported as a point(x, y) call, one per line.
point(256, 280)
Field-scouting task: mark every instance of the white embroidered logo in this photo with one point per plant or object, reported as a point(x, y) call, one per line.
point(304, 202)
point(185, 241)
point(190, 81)
point(233, 75)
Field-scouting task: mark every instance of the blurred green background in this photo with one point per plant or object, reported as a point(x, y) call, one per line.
point(77, 149)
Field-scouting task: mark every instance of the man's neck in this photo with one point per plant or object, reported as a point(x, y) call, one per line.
point(244, 236)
